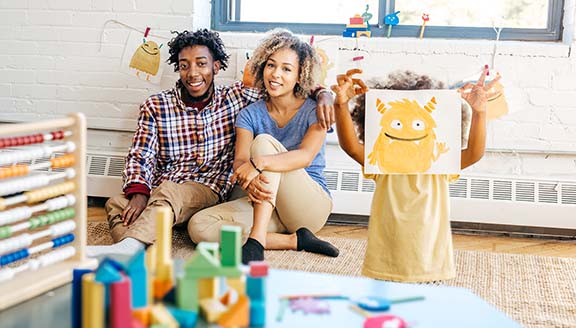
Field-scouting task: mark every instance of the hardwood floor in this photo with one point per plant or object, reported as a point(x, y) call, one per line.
point(487, 243)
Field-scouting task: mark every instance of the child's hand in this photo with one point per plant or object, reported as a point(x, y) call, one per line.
point(477, 94)
point(348, 87)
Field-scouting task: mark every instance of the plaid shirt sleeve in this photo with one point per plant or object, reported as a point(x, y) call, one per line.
point(249, 94)
point(141, 162)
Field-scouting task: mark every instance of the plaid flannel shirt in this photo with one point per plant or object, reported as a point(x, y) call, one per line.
point(180, 144)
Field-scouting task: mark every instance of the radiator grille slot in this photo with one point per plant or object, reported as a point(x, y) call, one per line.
point(331, 180)
point(525, 191)
point(480, 189)
point(368, 185)
point(116, 166)
point(569, 194)
point(97, 165)
point(459, 188)
point(502, 190)
point(349, 181)
point(547, 193)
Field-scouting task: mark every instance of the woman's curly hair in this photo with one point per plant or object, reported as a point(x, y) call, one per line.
point(309, 61)
point(401, 80)
point(201, 37)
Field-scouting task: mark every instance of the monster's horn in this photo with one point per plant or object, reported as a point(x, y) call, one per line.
point(380, 106)
point(430, 106)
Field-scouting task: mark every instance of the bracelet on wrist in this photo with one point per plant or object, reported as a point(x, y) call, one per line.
point(254, 165)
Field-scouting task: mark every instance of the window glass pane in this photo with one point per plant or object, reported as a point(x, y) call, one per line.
point(303, 11)
point(475, 13)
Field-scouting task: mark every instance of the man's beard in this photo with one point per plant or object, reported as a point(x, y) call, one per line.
point(189, 98)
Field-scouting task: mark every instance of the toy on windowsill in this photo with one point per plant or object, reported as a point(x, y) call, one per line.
point(367, 16)
point(391, 20)
point(425, 18)
point(356, 28)
point(149, 290)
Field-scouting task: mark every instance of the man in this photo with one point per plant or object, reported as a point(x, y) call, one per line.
point(182, 152)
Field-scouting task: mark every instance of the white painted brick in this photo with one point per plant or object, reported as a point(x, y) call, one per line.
point(17, 76)
point(103, 5)
point(35, 91)
point(564, 116)
point(24, 106)
point(37, 33)
point(13, 4)
point(184, 7)
point(155, 22)
point(157, 7)
point(9, 32)
point(124, 5)
point(93, 19)
point(5, 90)
point(60, 4)
point(76, 34)
point(29, 62)
point(88, 64)
point(58, 77)
point(101, 94)
point(43, 17)
point(557, 132)
point(547, 165)
point(530, 115)
point(115, 36)
point(12, 17)
point(564, 81)
point(541, 97)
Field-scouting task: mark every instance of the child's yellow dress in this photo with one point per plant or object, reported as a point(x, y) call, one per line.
point(409, 235)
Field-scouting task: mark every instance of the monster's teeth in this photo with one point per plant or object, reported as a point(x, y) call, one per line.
point(417, 142)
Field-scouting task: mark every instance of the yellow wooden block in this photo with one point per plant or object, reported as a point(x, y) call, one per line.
point(238, 315)
point(164, 222)
point(211, 309)
point(160, 315)
point(208, 288)
point(238, 284)
point(92, 302)
point(142, 315)
point(162, 287)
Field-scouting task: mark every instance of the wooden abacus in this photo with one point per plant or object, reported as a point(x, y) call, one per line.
point(42, 206)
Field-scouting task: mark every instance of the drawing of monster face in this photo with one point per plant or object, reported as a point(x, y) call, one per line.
point(150, 47)
point(406, 122)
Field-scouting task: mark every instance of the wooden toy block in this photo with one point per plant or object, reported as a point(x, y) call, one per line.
point(93, 311)
point(135, 323)
point(187, 294)
point(212, 248)
point(238, 315)
point(162, 287)
point(164, 221)
point(227, 298)
point(106, 273)
point(142, 315)
point(77, 296)
point(211, 309)
point(138, 274)
point(207, 288)
point(202, 265)
point(356, 20)
point(150, 259)
point(256, 288)
point(160, 315)
point(170, 297)
point(230, 240)
point(186, 319)
point(258, 269)
point(120, 304)
point(237, 284)
point(257, 313)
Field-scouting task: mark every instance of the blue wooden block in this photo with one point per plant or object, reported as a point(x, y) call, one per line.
point(138, 275)
point(77, 296)
point(106, 273)
point(170, 297)
point(349, 34)
point(186, 319)
point(257, 313)
point(256, 288)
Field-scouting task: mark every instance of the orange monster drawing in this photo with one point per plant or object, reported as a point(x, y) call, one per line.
point(407, 141)
point(146, 59)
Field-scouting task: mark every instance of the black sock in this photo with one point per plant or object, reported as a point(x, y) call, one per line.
point(252, 251)
point(310, 243)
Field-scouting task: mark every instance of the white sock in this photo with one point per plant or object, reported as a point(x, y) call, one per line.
point(128, 246)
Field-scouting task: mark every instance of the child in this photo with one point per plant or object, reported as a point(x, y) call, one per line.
point(409, 237)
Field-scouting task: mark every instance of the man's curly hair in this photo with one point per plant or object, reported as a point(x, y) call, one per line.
point(309, 61)
point(401, 80)
point(201, 37)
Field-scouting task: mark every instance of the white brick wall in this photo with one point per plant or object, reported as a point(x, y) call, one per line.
point(52, 63)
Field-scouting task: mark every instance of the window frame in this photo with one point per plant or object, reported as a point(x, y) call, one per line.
point(221, 21)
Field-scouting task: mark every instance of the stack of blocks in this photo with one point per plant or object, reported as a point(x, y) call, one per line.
point(145, 292)
point(356, 28)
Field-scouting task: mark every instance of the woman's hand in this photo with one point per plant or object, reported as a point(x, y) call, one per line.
point(257, 191)
point(325, 109)
point(348, 87)
point(476, 95)
point(244, 174)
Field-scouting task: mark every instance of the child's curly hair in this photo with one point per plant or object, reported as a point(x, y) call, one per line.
point(308, 61)
point(201, 37)
point(401, 80)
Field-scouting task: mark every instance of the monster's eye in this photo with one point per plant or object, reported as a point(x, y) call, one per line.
point(418, 125)
point(396, 124)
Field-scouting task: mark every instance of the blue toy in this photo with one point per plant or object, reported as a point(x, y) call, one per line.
point(391, 20)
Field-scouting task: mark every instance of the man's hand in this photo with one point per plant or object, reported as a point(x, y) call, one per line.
point(325, 109)
point(348, 87)
point(257, 191)
point(136, 205)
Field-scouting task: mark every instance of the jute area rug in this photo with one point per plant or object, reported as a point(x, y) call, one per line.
point(536, 291)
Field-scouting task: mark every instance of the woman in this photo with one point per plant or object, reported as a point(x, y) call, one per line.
point(279, 158)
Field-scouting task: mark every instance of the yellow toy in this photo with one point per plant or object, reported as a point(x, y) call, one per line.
point(407, 141)
point(146, 59)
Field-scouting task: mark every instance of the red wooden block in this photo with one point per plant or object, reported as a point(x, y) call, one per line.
point(258, 269)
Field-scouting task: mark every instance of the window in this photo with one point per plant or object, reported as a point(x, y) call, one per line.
point(533, 20)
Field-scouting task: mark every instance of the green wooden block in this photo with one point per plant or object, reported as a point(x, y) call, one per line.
point(187, 294)
point(212, 248)
point(230, 239)
point(202, 265)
